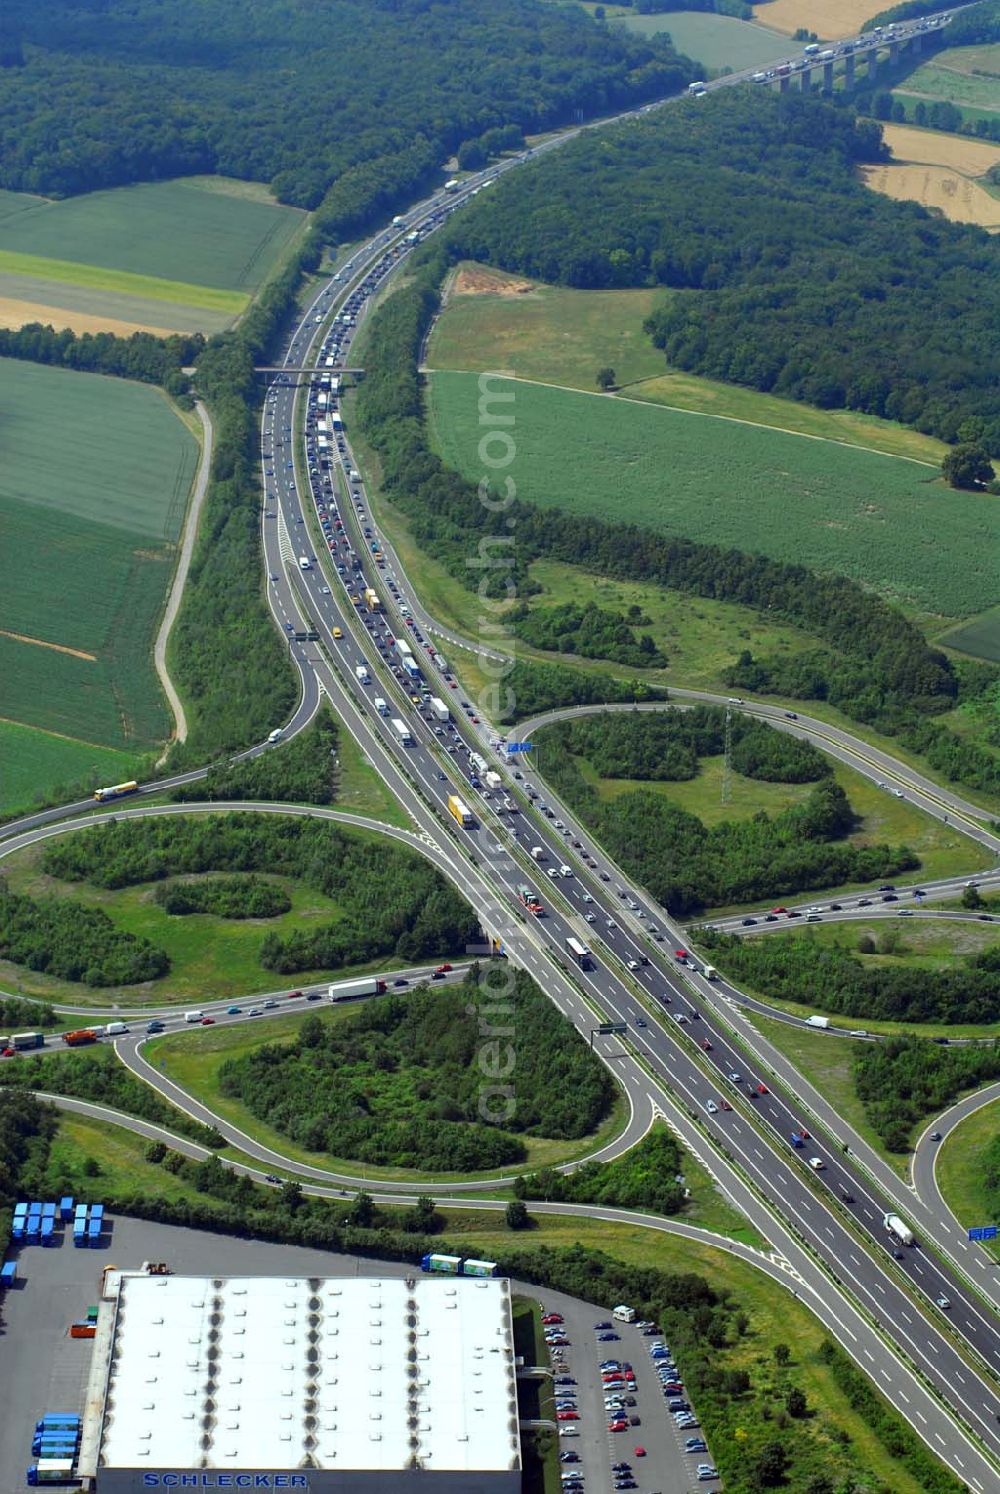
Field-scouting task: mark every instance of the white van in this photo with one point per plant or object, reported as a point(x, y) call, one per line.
point(537, 854)
point(194, 1016)
point(115, 1029)
point(275, 735)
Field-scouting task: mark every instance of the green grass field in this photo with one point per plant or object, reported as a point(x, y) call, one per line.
point(817, 503)
point(90, 521)
point(918, 943)
point(124, 282)
point(550, 333)
point(715, 41)
point(966, 76)
point(193, 1060)
point(179, 231)
point(980, 636)
point(960, 1169)
point(35, 762)
point(556, 335)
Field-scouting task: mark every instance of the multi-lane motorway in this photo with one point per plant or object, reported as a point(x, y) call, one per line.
point(679, 1052)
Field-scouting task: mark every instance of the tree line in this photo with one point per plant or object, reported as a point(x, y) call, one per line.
point(399, 1083)
point(62, 938)
point(390, 901)
point(17, 1014)
point(100, 1077)
point(796, 969)
point(790, 276)
point(688, 866)
point(99, 95)
point(141, 356)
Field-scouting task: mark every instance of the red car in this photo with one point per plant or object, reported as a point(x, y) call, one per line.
point(706, 1045)
point(208, 1021)
point(552, 1317)
point(680, 954)
point(640, 1452)
point(443, 970)
point(779, 910)
point(762, 1089)
point(567, 1416)
point(725, 1104)
point(294, 995)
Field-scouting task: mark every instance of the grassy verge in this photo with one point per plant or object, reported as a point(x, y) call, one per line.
point(361, 790)
point(193, 1061)
point(960, 1169)
point(707, 1208)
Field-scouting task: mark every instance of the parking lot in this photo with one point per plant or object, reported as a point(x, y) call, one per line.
point(588, 1444)
point(57, 1284)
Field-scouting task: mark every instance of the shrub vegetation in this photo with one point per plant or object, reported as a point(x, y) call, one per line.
point(399, 1085)
point(65, 939)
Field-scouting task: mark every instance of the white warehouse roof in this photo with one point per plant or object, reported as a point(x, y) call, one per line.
point(332, 1373)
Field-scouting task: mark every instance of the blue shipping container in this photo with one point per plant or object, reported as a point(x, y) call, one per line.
point(80, 1236)
point(53, 1447)
point(48, 1235)
point(34, 1226)
point(48, 1211)
point(20, 1210)
point(57, 1419)
point(94, 1233)
point(17, 1229)
point(8, 1274)
point(97, 1211)
point(65, 1208)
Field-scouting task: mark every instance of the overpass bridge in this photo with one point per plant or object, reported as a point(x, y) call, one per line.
point(313, 368)
point(865, 48)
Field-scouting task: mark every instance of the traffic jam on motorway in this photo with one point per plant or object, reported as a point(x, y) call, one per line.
point(364, 567)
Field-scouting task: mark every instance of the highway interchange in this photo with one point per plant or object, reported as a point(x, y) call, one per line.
point(825, 1225)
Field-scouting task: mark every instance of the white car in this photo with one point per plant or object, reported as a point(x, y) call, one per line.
point(711, 1107)
point(589, 917)
point(633, 964)
point(553, 873)
point(565, 871)
point(817, 1164)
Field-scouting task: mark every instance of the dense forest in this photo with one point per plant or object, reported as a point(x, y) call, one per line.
point(364, 94)
point(790, 275)
point(803, 970)
point(686, 865)
point(391, 902)
point(904, 1080)
point(16, 1014)
point(400, 1082)
point(590, 631)
point(62, 938)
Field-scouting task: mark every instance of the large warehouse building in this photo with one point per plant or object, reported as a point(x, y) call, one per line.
point(354, 1385)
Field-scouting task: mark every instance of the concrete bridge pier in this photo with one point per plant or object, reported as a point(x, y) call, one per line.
point(783, 84)
point(806, 84)
point(849, 71)
point(828, 77)
point(873, 64)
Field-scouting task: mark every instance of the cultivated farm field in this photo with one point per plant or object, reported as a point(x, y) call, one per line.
point(715, 41)
point(33, 759)
point(93, 487)
point(938, 187)
point(829, 21)
point(832, 507)
point(183, 255)
point(935, 148)
point(966, 76)
point(980, 636)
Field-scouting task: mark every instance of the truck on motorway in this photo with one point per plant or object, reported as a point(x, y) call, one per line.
point(305, 564)
point(452, 184)
point(193, 1016)
point(79, 1037)
point(372, 600)
point(116, 791)
point(361, 674)
point(477, 763)
point(347, 990)
point(402, 731)
point(710, 972)
point(460, 811)
point(439, 710)
point(899, 1231)
point(441, 662)
point(580, 952)
point(529, 899)
point(22, 1041)
point(818, 1021)
point(697, 89)
point(493, 779)
point(381, 706)
point(811, 50)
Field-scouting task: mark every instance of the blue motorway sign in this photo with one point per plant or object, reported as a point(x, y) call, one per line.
point(519, 747)
point(983, 1232)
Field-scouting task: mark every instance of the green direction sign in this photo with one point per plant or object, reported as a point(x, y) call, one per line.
point(606, 1029)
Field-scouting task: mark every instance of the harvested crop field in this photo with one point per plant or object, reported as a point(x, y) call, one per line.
point(937, 187)
point(934, 148)
point(837, 508)
point(16, 313)
point(830, 22)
